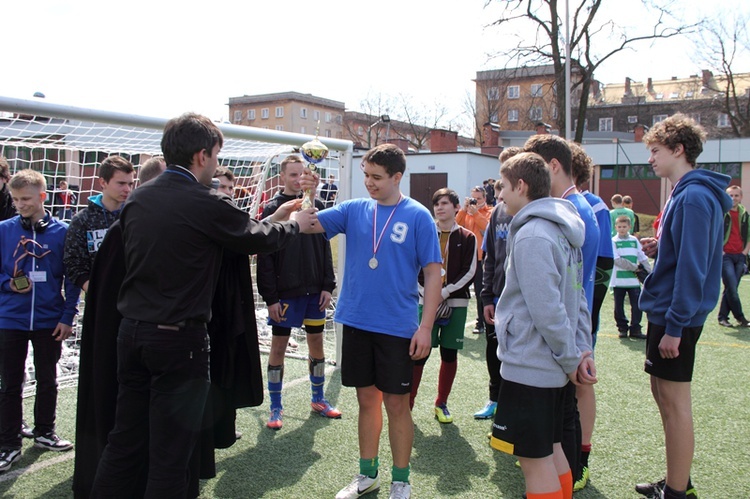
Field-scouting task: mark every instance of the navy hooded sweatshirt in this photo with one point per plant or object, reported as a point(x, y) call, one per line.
point(685, 283)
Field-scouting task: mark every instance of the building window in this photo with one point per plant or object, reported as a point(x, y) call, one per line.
point(632, 119)
point(237, 116)
point(493, 117)
point(316, 115)
point(514, 92)
point(605, 124)
point(302, 130)
point(360, 131)
point(251, 114)
point(328, 118)
point(493, 93)
point(535, 113)
point(328, 132)
point(554, 112)
point(657, 118)
point(659, 96)
point(303, 112)
point(264, 113)
point(280, 128)
point(696, 117)
point(723, 121)
point(674, 95)
point(536, 89)
point(512, 115)
point(279, 112)
point(689, 94)
point(585, 124)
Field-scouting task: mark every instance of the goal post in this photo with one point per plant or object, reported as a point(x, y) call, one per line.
point(68, 144)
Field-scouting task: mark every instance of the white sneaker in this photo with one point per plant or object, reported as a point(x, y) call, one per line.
point(400, 490)
point(361, 485)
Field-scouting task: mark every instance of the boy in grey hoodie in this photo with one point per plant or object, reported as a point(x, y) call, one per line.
point(543, 326)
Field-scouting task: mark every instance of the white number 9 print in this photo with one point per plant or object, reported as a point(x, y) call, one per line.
point(398, 235)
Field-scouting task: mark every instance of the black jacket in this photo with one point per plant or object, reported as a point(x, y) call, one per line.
point(85, 234)
point(495, 239)
point(303, 267)
point(174, 229)
point(7, 210)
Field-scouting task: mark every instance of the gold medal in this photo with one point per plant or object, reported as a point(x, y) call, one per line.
point(373, 263)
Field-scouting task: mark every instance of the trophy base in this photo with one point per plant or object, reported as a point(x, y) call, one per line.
point(21, 282)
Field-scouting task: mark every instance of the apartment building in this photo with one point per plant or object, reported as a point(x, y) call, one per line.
point(290, 112)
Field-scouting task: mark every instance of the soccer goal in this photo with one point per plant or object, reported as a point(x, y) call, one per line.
point(67, 145)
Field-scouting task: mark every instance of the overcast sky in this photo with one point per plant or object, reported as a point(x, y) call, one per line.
point(161, 58)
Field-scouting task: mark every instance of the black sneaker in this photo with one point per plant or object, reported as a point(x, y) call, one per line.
point(650, 489)
point(623, 334)
point(725, 323)
point(638, 336)
point(654, 490)
point(51, 441)
point(8, 457)
point(26, 431)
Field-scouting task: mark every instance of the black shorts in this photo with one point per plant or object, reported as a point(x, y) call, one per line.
point(376, 359)
point(528, 420)
point(679, 369)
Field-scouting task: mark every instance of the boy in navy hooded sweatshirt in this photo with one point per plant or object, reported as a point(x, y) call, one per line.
point(688, 252)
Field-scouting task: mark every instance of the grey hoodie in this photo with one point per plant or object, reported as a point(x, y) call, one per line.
point(542, 319)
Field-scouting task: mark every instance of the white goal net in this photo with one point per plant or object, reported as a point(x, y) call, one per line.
point(68, 144)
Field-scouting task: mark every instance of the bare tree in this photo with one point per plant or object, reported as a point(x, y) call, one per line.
point(410, 120)
point(724, 40)
point(593, 40)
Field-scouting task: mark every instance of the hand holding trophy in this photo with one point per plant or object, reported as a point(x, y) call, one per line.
point(314, 152)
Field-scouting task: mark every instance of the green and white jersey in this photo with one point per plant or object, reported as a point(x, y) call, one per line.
point(628, 248)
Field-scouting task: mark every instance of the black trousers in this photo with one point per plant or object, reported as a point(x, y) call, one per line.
point(163, 380)
point(13, 350)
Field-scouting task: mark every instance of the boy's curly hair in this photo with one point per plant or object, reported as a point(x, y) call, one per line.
point(678, 129)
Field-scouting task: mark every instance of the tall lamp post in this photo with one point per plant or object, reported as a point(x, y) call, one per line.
point(384, 118)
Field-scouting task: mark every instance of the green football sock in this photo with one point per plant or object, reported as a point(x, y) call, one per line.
point(400, 474)
point(369, 467)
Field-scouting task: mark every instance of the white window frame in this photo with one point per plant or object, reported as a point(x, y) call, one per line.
point(303, 113)
point(514, 91)
point(536, 113)
point(657, 118)
point(632, 119)
point(316, 115)
point(328, 117)
point(280, 128)
point(279, 111)
point(302, 129)
point(512, 115)
point(251, 114)
point(537, 90)
point(237, 116)
point(493, 93)
point(606, 124)
point(722, 121)
point(264, 113)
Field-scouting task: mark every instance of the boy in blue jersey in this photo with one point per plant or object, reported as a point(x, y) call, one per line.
point(580, 415)
point(688, 252)
point(583, 167)
point(32, 279)
point(389, 238)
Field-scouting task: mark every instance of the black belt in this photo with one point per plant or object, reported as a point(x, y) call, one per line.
point(178, 325)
